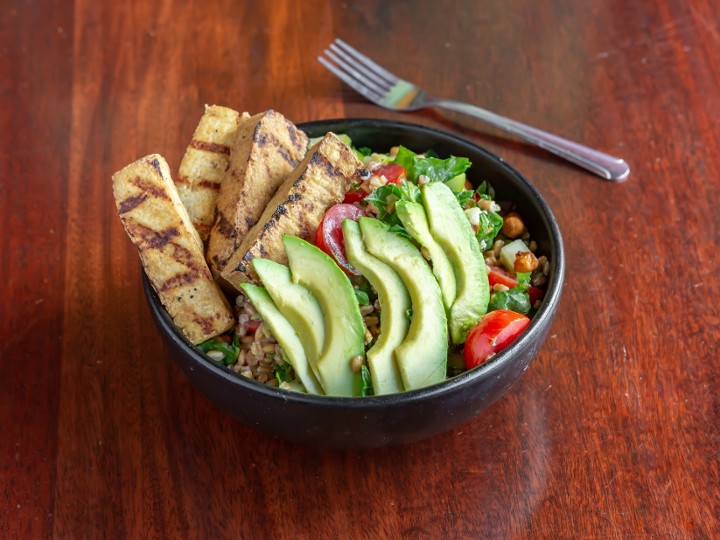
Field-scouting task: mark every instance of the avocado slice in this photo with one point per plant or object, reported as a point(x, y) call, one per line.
point(285, 334)
point(344, 329)
point(297, 305)
point(394, 303)
point(412, 215)
point(457, 183)
point(453, 232)
point(422, 356)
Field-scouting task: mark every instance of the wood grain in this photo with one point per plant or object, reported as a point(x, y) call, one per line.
point(613, 432)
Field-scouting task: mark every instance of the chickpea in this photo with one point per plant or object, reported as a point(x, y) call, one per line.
point(525, 261)
point(513, 226)
point(356, 363)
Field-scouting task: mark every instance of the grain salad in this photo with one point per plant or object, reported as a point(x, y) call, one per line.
point(498, 225)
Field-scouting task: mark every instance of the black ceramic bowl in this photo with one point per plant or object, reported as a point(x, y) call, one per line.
point(397, 418)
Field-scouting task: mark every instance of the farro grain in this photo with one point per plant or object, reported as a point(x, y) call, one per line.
point(260, 332)
point(216, 355)
point(251, 360)
point(497, 246)
point(371, 321)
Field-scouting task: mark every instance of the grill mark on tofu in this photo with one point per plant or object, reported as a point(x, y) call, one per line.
point(266, 138)
point(206, 323)
point(178, 280)
point(148, 188)
point(224, 226)
point(296, 142)
point(206, 146)
point(323, 161)
point(131, 202)
point(148, 238)
point(208, 184)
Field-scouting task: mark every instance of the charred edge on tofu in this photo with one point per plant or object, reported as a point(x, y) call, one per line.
point(206, 146)
point(155, 164)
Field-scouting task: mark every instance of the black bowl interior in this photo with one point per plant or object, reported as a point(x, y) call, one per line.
point(409, 416)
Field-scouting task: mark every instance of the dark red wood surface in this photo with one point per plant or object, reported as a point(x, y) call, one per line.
point(613, 432)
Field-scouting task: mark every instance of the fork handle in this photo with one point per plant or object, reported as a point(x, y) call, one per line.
point(604, 165)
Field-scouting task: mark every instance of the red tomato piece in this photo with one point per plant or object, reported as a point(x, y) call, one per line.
point(329, 235)
point(393, 173)
point(495, 331)
point(252, 325)
point(498, 275)
point(354, 195)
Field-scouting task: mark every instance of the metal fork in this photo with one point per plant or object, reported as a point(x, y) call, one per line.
point(383, 88)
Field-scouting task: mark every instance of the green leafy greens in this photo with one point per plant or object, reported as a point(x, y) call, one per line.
point(366, 388)
point(489, 227)
point(385, 197)
point(434, 168)
point(230, 351)
point(362, 297)
point(283, 373)
point(515, 299)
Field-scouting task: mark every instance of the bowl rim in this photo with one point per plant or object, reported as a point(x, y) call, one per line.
point(449, 385)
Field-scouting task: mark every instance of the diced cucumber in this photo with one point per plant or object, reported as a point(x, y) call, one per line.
point(509, 251)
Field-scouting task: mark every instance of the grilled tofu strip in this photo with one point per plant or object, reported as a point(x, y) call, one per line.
point(204, 165)
point(170, 249)
point(297, 208)
point(267, 148)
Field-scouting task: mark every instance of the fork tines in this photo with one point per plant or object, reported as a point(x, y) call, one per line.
point(358, 71)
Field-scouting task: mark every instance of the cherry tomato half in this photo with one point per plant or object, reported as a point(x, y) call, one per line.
point(393, 173)
point(498, 275)
point(495, 331)
point(329, 235)
point(354, 195)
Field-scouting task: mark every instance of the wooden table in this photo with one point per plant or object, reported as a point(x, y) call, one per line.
point(613, 432)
